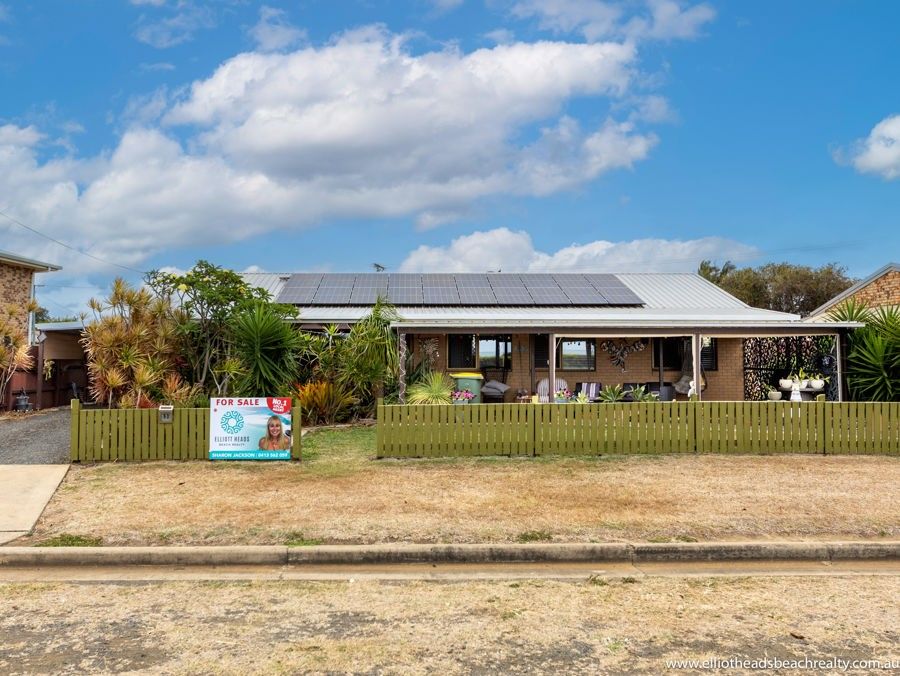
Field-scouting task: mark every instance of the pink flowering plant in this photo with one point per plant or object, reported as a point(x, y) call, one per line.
point(563, 394)
point(463, 395)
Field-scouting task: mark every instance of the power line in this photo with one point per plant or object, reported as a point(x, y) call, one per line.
point(67, 246)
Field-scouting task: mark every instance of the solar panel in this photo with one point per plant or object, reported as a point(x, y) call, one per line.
point(432, 295)
point(549, 296)
point(447, 289)
point(477, 296)
point(472, 281)
point(497, 281)
point(405, 295)
point(299, 288)
point(333, 295)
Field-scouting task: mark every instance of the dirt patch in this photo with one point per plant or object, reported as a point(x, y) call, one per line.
point(428, 627)
point(340, 494)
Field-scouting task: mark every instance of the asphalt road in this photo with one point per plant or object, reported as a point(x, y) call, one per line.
point(35, 439)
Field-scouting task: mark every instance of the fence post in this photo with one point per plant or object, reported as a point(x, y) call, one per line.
point(74, 447)
point(296, 429)
point(379, 428)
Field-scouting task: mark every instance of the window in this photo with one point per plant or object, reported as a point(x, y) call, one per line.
point(495, 352)
point(577, 355)
point(571, 355)
point(461, 351)
point(673, 358)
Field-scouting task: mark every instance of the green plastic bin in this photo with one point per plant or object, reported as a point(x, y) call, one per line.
point(469, 381)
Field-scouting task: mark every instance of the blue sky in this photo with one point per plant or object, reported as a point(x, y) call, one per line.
point(446, 135)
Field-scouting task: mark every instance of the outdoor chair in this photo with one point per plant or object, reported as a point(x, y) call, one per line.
point(590, 390)
point(543, 389)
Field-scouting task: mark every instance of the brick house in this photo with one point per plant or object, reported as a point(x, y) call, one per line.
point(17, 288)
point(653, 329)
point(880, 289)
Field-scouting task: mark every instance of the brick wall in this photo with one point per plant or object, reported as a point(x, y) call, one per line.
point(15, 288)
point(725, 384)
point(882, 291)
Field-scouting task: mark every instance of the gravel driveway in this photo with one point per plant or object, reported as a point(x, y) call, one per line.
point(37, 439)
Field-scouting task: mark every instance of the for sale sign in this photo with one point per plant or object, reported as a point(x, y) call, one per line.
point(250, 428)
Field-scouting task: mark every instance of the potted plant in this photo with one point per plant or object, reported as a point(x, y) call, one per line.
point(462, 396)
point(774, 395)
point(612, 393)
point(786, 383)
point(562, 396)
point(803, 378)
point(817, 382)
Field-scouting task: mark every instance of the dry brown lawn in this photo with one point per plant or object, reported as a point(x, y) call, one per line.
point(339, 494)
point(630, 625)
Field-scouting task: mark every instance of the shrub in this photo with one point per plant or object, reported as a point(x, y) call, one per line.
point(324, 402)
point(435, 387)
point(266, 346)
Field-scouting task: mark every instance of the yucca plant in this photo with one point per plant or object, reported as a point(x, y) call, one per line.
point(873, 361)
point(14, 352)
point(435, 387)
point(130, 346)
point(267, 347)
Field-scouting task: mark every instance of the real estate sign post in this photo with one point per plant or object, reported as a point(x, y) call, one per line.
point(250, 428)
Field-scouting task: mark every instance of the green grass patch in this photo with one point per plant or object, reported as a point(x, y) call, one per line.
point(535, 536)
point(69, 540)
point(297, 539)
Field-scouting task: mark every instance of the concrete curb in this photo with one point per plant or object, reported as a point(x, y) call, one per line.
point(462, 553)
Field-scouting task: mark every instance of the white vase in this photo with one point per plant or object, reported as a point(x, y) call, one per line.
point(785, 383)
point(804, 384)
point(817, 384)
point(775, 396)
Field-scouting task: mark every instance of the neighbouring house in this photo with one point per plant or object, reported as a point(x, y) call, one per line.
point(880, 289)
point(17, 280)
point(529, 331)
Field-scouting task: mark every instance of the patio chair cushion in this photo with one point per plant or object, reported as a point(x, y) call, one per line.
point(495, 385)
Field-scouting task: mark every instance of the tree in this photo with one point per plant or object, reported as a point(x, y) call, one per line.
point(797, 289)
point(209, 297)
point(714, 273)
point(14, 348)
point(132, 349)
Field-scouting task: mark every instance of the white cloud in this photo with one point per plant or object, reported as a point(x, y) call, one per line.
point(152, 3)
point(157, 67)
point(599, 19)
point(176, 29)
point(19, 137)
point(446, 5)
point(513, 251)
point(360, 128)
point(274, 32)
point(4, 13)
point(879, 152)
point(501, 36)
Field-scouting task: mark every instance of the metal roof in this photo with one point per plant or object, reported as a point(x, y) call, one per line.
point(465, 289)
point(890, 267)
point(47, 327)
point(22, 262)
point(672, 302)
point(271, 282)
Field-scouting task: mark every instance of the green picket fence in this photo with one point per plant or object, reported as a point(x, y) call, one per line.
point(135, 435)
point(627, 428)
